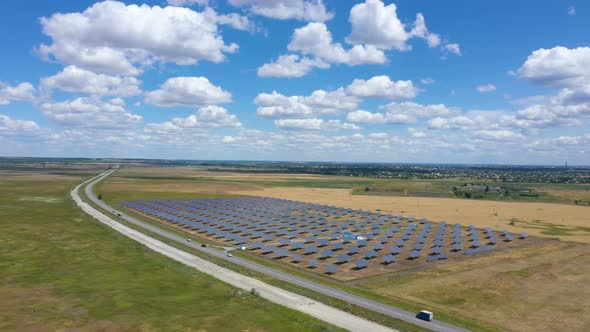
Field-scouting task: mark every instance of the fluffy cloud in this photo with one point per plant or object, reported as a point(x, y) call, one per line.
point(114, 38)
point(458, 122)
point(416, 133)
point(374, 23)
point(486, 88)
point(375, 28)
point(22, 92)
point(77, 80)
point(206, 117)
point(188, 2)
point(307, 10)
point(276, 105)
point(498, 135)
point(382, 87)
point(558, 67)
point(91, 113)
point(452, 48)
point(236, 21)
point(419, 110)
point(11, 127)
point(314, 124)
point(291, 65)
point(188, 91)
point(361, 116)
point(315, 39)
point(406, 112)
point(563, 68)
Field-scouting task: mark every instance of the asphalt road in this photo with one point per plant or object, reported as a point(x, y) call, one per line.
point(407, 316)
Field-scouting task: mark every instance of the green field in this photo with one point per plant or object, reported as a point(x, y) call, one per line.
point(59, 270)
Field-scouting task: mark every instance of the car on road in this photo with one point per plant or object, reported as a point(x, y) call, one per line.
point(425, 315)
point(229, 254)
point(203, 245)
point(189, 240)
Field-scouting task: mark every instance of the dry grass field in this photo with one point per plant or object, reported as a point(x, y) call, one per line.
point(540, 288)
point(566, 222)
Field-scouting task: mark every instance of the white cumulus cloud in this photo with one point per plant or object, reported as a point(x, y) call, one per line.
point(291, 65)
point(314, 124)
point(22, 92)
point(114, 38)
point(78, 80)
point(91, 113)
point(306, 10)
point(276, 105)
point(382, 87)
point(188, 91)
point(558, 67)
point(205, 117)
point(374, 23)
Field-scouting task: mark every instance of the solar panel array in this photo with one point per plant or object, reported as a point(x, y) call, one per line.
point(326, 236)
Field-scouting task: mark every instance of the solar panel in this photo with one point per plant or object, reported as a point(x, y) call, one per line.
point(395, 250)
point(378, 246)
point(323, 242)
point(311, 249)
point(418, 246)
point(297, 245)
point(282, 253)
point(370, 254)
point(478, 250)
point(326, 253)
point(523, 236)
point(437, 250)
point(353, 249)
point(400, 243)
point(457, 247)
point(332, 268)
point(337, 246)
point(414, 254)
point(313, 263)
point(361, 243)
point(361, 263)
point(347, 239)
point(268, 249)
point(297, 258)
point(343, 258)
point(388, 259)
point(284, 242)
point(433, 258)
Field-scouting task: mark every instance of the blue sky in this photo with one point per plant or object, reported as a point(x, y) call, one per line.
point(366, 81)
